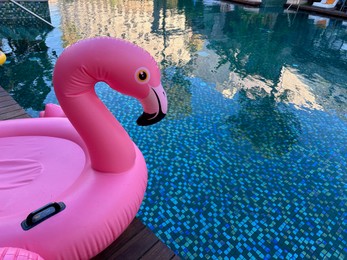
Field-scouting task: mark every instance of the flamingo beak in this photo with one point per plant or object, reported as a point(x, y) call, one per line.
point(154, 106)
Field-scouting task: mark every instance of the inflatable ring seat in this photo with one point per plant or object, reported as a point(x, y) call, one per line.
point(11, 253)
point(69, 186)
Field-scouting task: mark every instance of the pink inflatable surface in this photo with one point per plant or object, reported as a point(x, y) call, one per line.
point(69, 186)
point(10, 253)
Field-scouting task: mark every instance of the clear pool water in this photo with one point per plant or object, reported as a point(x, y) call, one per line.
point(250, 162)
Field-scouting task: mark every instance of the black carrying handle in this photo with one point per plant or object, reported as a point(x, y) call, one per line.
point(41, 214)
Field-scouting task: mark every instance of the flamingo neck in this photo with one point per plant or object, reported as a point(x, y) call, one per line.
point(75, 74)
point(110, 147)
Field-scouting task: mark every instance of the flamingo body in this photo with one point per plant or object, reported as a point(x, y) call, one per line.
point(86, 160)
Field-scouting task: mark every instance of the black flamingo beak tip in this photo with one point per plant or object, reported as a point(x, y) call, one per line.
point(149, 119)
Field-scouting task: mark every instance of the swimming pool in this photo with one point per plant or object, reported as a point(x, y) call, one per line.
point(251, 159)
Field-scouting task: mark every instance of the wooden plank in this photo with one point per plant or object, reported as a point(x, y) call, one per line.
point(157, 251)
point(137, 246)
point(6, 103)
point(137, 242)
point(21, 116)
point(3, 93)
point(13, 115)
point(10, 108)
point(6, 98)
point(313, 9)
point(135, 227)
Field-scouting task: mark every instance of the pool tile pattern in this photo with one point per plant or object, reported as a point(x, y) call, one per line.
point(231, 185)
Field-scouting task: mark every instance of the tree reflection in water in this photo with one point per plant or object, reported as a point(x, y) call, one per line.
point(178, 92)
point(271, 127)
point(28, 71)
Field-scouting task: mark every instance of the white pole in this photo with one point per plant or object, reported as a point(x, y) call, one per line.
point(12, 1)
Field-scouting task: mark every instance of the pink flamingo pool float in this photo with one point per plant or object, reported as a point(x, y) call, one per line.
point(69, 186)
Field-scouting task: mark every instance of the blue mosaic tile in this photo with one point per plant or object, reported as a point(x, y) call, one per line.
point(247, 205)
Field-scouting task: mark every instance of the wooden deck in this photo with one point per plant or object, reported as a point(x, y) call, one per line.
point(317, 10)
point(253, 3)
point(9, 109)
point(136, 242)
point(332, 12)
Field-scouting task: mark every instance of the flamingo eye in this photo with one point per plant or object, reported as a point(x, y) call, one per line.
point(142, 75)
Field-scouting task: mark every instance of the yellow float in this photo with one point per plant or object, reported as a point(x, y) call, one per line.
point(2, 58)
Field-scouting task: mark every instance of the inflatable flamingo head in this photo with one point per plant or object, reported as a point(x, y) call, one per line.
point(139, 76)
point(124, 66)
